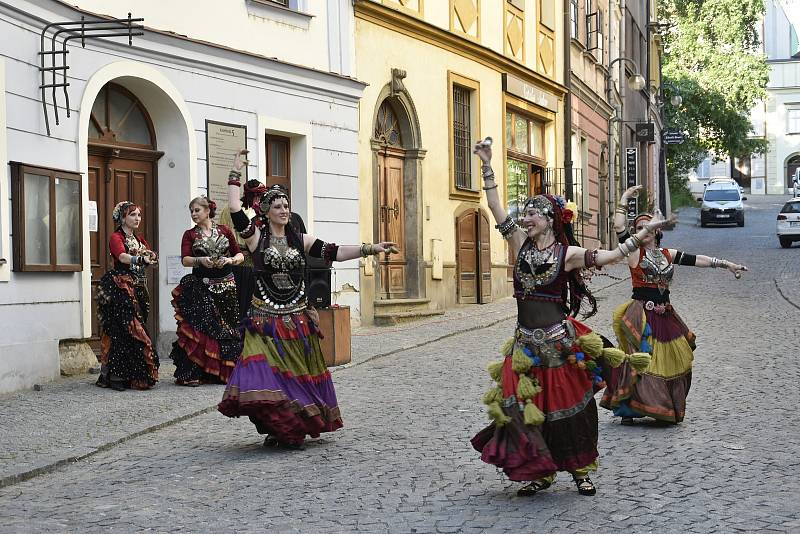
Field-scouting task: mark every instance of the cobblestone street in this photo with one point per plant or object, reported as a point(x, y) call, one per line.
point(403, 462)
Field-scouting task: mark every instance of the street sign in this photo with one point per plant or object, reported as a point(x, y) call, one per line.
point(673, 137)
point(645, 132)
point(631, 162)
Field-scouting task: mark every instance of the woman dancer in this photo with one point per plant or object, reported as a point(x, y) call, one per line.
point(127, 356)
point(543, 409)
point(649, 323)
point(280, 381)
point(206, 303)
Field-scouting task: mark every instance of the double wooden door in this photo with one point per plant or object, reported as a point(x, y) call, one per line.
point(391, 224)
point(113, 179)
point(473, 258)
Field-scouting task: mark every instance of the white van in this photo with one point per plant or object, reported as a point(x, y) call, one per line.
point(722, 204)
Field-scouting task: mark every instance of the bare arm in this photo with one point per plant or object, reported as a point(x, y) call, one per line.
point(621, 213)
point(707, 261)
point(351, 252)
point(234, 196)
point(577, 256)
point(484, 151)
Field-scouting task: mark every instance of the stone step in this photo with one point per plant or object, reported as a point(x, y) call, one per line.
point(386, 318)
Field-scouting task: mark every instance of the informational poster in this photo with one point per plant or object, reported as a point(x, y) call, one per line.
point(223, 142)
point(92, 212)
point(631, 178)
point(175, 269)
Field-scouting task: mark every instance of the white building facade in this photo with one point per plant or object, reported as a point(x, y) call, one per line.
point(144, 124)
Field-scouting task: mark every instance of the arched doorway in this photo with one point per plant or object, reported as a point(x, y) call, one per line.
point(473, 257)
point(122, 166)
point(792, 164)
point(391, 202)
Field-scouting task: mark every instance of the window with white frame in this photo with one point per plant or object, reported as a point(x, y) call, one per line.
point(573, 19)
point(793, 120)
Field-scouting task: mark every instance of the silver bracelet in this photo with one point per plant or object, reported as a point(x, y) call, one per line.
point(714, 263)
point(630, 244)
point(624, 249)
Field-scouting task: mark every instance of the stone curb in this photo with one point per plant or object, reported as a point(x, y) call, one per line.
point(16, 478)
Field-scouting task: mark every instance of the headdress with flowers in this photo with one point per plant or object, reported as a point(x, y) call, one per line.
point(121, 210)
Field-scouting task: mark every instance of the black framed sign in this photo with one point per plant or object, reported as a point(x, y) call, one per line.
point(631, 171)
point(223, 142)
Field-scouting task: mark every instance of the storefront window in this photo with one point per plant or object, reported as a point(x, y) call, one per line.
point(37, 214)
point(521, 135)
point(517, 187)
point(524, 135)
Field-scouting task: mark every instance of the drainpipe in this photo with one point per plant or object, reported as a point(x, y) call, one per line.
point(567, 103)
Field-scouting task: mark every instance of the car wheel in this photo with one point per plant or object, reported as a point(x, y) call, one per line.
point(785, 242)
point(740, 223)
point(703, 224)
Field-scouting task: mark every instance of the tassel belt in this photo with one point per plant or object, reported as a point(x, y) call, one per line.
point(539, 336)
point(220, 285)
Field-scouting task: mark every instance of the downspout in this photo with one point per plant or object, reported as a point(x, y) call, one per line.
point(567, 102)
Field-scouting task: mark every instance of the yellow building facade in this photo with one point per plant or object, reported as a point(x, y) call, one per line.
point(442, 75)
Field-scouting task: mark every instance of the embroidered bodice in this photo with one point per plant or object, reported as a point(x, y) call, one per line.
point(214, 245)
point(280, 276)
point(654, 269)
point(540, 274)
point(121, 242)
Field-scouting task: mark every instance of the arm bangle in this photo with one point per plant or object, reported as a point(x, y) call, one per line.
point(624, 249)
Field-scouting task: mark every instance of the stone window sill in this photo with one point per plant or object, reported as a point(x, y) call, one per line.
point(268, 10)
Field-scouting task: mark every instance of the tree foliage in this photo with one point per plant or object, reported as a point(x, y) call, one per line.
point(712, 59)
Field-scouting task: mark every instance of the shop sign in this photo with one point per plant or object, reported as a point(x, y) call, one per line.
point(673, 137)
point(631, 162)
point(223, 142)
point(530, 93)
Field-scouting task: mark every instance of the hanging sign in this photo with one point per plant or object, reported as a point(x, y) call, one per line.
point(631, 178)
point(223, 142)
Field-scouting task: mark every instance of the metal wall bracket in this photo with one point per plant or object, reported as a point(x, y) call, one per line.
point(68, 31)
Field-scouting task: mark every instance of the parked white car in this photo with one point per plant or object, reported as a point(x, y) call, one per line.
point(721, 203)
point(788, 223)
point(724, 180)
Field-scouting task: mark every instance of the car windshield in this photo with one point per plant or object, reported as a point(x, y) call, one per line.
point(717, 195)
point(791, 207)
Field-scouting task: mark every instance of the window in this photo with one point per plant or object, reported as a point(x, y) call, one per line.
point(517, 187)
point(794, 43)
point(793, 121)
point(278, 162)
point(591, 22)
point(284, 3)
point(573, 19)
point(600, 38)
point(524, 135)
point(46, 211)
point(461, 137)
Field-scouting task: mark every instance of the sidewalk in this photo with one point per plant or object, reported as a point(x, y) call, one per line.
point(70, 419)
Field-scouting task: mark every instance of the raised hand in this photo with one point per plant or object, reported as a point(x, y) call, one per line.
point(483, 150)
point(240, 161)
point(631, 192)
point(385, 246)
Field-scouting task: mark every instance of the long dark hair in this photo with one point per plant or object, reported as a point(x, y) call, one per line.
point(576, 291)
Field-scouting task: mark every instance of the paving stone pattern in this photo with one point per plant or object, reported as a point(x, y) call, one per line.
point(403, 462)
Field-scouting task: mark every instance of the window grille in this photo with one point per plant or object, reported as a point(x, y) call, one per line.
point(461, 137)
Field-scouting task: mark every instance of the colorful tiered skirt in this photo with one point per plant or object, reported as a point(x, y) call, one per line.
point(209, 343)
point(281, 381)
point(543, 408)
point(660, 390)
point(127, 356)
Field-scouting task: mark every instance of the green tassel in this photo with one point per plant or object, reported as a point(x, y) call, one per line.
point(639, 360)
point(507, 347)
point(591, 365)
point(497, 415)
point(613, 356)
point(496, 370)
point(532, 414)
point(526, 389)
point(520, 362)
point(591, 344)
point(493, 395)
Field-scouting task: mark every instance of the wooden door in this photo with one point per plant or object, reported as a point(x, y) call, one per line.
point(112, 180)
point(391, 213)
point(467, 257)
point(473, 258)
point(484, 254)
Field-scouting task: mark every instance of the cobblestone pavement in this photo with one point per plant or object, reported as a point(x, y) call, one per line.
point(403, 462)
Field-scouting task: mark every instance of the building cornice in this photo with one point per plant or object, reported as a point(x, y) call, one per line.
point(421, 30)
point(215, 55)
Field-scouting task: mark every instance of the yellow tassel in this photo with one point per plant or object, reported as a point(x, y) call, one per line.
point(526, 389)
point(639, 360)
point(591, 344)
point(613, 356)
point(520, 362)
point(495, 370)
point(506, 348)
point(493, 395)
point(532, 414)
point(497, 415)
